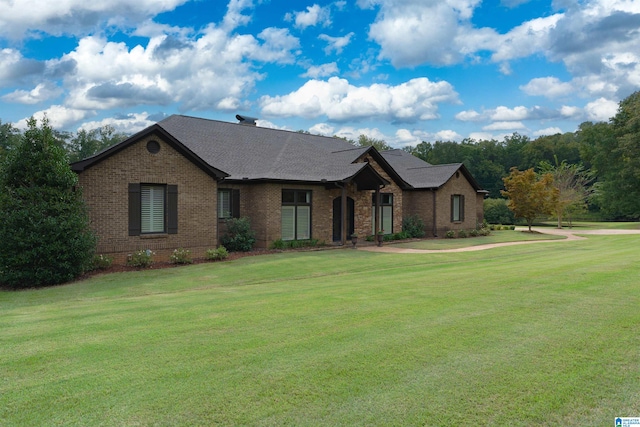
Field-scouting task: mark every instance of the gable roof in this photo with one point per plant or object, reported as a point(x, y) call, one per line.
point(233, 151)
point(255, 153)
point(151, 130)
point(420, 174)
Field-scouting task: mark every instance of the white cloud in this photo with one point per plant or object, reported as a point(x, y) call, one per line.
point(505, 114)
point(20, 18)
point(40, 93)
point(314, 15)
point(14, 67)
point(447, 135)
point(526, 39)
point(570, 111)
point(338, 100)
point(550, 87)
point(210, 71)
point(548, 131)
point(504, 125)
point(324, 129)
point(335, 44)
point(352, 133)
point(601, 109)
point(60, 117)
point(435, 32)
point(128, 124)
point(469, 116)
point(323, 70)
point(234, 17)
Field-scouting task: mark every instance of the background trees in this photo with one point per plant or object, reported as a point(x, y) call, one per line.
point(44, 232)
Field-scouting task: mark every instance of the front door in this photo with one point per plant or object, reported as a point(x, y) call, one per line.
point(337, 218)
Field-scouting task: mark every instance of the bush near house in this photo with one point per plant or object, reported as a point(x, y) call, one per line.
point(239, 236)
point(413, 226)
point(217, 254)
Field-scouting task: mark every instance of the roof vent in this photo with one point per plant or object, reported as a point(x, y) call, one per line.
point(246, 120)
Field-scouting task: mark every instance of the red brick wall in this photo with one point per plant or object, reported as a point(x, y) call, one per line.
point(105, 189)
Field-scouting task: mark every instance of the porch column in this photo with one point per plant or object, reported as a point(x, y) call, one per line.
point(377, 212)
point(343, 220)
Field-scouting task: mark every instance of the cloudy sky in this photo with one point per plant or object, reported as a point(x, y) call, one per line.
point(401, 70)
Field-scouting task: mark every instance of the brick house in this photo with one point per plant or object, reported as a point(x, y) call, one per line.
point(175, 183)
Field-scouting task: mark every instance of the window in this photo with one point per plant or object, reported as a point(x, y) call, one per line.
point(296, 214)
point(228, 203)
point(457, 208)
point(386, 212)
point(153, 209)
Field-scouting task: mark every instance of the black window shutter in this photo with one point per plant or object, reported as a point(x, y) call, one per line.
point(134, 210)
point(172, 209)
point(235, 203)
point(452, 208)
point(461, 208)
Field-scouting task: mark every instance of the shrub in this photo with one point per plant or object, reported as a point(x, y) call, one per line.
point(474, 233)
point(239, 236)
point(141, 258)
point(102, 262)
point(497, 212)
point(45, 236)
point(450, 234)
point(462, 234)
point(294, 244)
point(180, 256)
point(413, 226)
point(217, 254)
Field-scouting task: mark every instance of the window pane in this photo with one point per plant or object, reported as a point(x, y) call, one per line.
point(303, 197)
point(387, 216)
point(456, 208)
point(303, 219)
point(152, 209)
point(224, 204)
point(288, 222)
point(288, 196)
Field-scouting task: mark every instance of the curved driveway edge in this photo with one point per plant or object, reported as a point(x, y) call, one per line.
point(570, 234)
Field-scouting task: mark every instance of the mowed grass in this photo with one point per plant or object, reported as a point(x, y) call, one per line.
point(500, 236)
point(542, 334)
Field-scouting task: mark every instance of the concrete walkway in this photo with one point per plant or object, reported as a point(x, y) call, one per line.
point(570, 235)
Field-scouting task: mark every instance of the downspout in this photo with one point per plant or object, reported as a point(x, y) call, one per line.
point(435, 227)
point(377, 213)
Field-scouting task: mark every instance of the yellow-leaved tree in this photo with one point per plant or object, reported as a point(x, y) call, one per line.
point(529, 194)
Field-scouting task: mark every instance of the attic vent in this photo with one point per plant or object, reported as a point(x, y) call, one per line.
point(246, 120)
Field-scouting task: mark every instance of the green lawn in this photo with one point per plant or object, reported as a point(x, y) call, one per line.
point(500, 236)
point(545, 334)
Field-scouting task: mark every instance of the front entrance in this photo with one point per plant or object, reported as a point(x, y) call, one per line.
point(337, 218)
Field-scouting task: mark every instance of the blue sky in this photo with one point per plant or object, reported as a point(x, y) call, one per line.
point(403, 71)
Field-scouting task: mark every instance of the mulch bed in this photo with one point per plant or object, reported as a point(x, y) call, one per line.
point(119, 268)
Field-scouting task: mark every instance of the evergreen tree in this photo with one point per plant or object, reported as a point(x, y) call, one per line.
point(44, 233)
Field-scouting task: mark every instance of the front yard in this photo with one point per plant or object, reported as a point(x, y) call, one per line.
point(542, 334)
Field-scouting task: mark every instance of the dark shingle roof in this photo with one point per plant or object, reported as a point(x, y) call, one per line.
point(261, 153)
point(236, 151)
point(420, 174)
